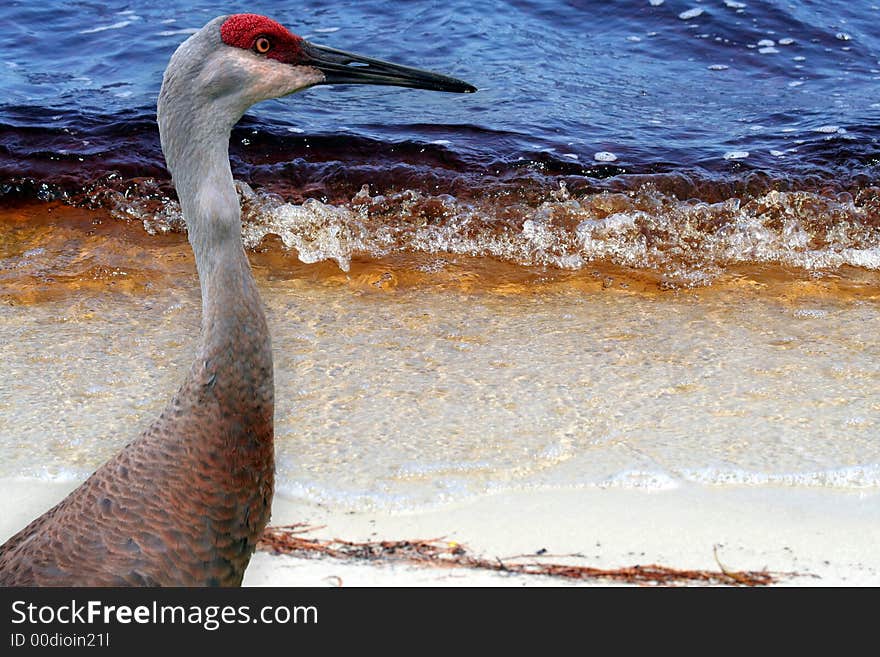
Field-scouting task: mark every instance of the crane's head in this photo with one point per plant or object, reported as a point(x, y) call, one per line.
point(266, 41)
point(236, 61)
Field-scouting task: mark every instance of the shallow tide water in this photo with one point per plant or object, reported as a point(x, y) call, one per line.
point(399, 393)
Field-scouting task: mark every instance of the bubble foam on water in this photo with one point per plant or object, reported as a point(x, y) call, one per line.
point(645, 229)
point(691, 13)
point(850, 477)
point(641, 480)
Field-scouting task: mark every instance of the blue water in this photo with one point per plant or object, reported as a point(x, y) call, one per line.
point(577, 77)
point(722, 107)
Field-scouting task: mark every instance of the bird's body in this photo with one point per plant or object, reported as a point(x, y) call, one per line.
point(185, 503)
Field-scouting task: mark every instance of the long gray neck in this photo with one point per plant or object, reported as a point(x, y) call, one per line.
point(210, 207)
point(195, 140)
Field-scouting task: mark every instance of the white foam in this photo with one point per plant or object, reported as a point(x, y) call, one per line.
point(316, 230)
point(605, 156)
point(615, 224)
point(850, 477)
point(691, 13)
point(736, 155)
point(640, 480)
point(607, 227)
point(865, 258)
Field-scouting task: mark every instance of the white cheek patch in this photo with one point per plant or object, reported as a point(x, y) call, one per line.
point(252, 78)
point(276, 79)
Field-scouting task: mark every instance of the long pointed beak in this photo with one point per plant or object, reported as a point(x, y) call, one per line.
point(340, 67)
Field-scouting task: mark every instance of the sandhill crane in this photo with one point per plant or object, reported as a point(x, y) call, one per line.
point(184, 503)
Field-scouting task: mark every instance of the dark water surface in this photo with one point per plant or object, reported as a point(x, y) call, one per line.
point(630, 132)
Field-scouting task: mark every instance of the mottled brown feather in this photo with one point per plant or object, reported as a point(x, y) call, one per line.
point(183, 504)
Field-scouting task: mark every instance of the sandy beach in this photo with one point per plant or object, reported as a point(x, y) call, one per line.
point(806, 538)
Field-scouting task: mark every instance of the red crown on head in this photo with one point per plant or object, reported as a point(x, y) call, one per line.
point(243, 30)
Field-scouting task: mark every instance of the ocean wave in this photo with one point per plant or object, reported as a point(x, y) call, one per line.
point(689, 242)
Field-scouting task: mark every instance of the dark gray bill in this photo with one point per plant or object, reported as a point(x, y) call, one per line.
point(340, 67)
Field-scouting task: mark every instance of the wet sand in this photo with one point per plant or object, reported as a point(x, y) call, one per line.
point(806, 538)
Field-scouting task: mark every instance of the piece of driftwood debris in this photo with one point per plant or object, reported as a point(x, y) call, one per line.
point(438, 553)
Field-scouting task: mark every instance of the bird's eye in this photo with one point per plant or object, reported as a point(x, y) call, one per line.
point(262, 45)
